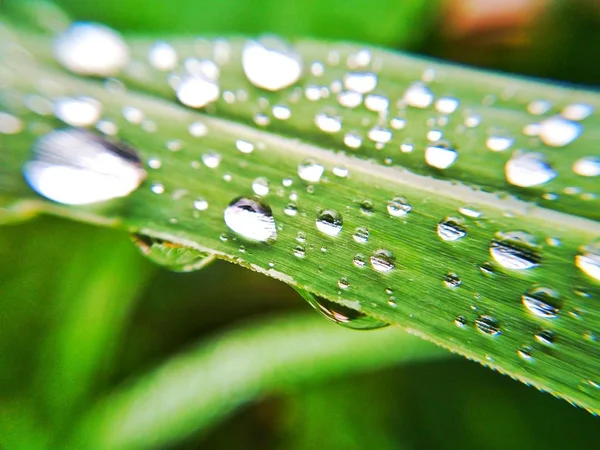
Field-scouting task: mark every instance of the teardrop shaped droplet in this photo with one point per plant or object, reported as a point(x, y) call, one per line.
point(516, 250)
point(175, 257)
point(251, 219)
point(271, 64)
point(342, 315)
point(542, 302)
point(329, 222)
point(77, 167)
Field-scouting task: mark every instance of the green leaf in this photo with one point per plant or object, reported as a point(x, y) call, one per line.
point(539, 325)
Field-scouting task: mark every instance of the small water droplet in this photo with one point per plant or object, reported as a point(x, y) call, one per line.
point(452, 280)
point(162, 56)
point(299, 251)
point(498, 143)
point(472, 119)
point(446, 105)
point(528, 169)
point(546, 337)
point(525, 353)
point(251, 218)
point(271, 63)
point(204, 68)
point(157, 188)
point(434, 135)
point(198, 129)
point(91, 49)
point(197, 91)
point(557, 131)
point(343, 283)
point(487, 269)
point(379, 135)
point(341, 172)
point(260, 186)
point(418, 95)
point(290, 210)
point(383, 261)
point(311, 171)
point(588, 260)
point(539, 107)
point(361, 82)
point(542, 302)
point(78, 112)
point(516, 250)
point(377, 103)
point(10, 124)
point(244, 146)
point(470, 211)
point(174, 145)
point(588, 166)
point(451, 229)
point(329, 222)
point(173, 256)
point(327, 123)
point(359, 260)
point(352, 140)
point(361, 235)
point(398, 207)
point(398, 123)
point(281, 112)
point(77, 167)
point(366, 206)
point(211, 159)
point(488, 325)
point(577, 111)
point(460, 321)
point(200, 204)
point(133, 115)
point(349, 99)
point(440, 156)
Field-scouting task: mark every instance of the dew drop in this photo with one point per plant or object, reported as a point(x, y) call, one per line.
point(379, 135)
point(91, 49)
point(200, 204)
point(451, 229)
point(77, 167)
point(515, 250)
point(271, 64)
point(539, 107)
point(162, 56)
point(557, 131)
point(383, 261)
point(377, 103)
point(588, 166)
point(327, 123)
point(488, 325)
point(198, 129)
point(352, 140)
point(452, 280)
point(359, 260)
point(577, 111)
point(525, 353)
point(299, 251)
point(349, 99)
point(10, 124)
point(282, 112)
point(133, 115)
point(398, 207)
point(361, 82)
point(310, 171)
point(342, 315)
point(197, 91)
point(172, 256)
point(398, 123)
point(440, 156)
point(260, 186)
point(418, 95)
point(244, 146)
point(78, 112)
point(340, 172)
point(542, 302)
point(343, 283)
point(588, 260)
point(290, 210)
point(251, 218)
point(329, 222)
point(366, 206)
point(546, 337)
point(498, 143)
point(528, 169)
point(157, 188)
point(361, 235)
point(211, 159)
point(446, 105)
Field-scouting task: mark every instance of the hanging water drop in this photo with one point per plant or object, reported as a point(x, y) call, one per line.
point(451, 229)
point(271, 64)
point(528, 169)
point(515, 250)
point(175, 257)
point(77, 167)
point(329, 222)
point(383, 261)
point(542, 302)
point(251, 218)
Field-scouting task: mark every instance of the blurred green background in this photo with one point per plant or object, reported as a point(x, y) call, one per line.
point(82, 312)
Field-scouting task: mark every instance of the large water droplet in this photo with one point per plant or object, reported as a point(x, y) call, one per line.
point(528, 169)
point(588, 166)
point(197, 91)
point(516, 250)
point(271, 64)
point(383, 261)
point(542, 302)
point(577, 111)
point(251, 218)
point(451, 229)
point(557, 131)
point(398, 207)
point(310, 171)
point(440, 156)
point(588, 261)
point(77, 167)
point(78, 112)
point(329, 222)
point(173, 256)
point(91, 49)
point(342, 315)
point(488, 325)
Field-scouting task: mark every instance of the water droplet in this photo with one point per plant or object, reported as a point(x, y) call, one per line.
point(133, 115)
point(361, 235)
point(361, 82)
point(174, 145)
point(398, 207)
point(310, 171)
point(446, 105)
point(341, 172)
point(251, 218)
point(352, 140)
point(588, 261)
point(197, 91)
point(329, 222)
point(282, 112)
point(327, 123)
point(341, 314)
point(379, 135)
point(383, 261)
point(488, 325)
point(588, 166)
point(397, 123)
point(162, 56)
point(343, 283)
point(525, 353)
point(470, 211)
point(359, 260)
point(418, 95)
point(460, 321)
point(440, 156)
point(528, 169)
point(260, 186)
point(91, 49)
point(472, 119)
point(78, 112)
point(452, 280)
point(204, 68)
point(77, 167)
point(157, 188)
point(211, 159)
point(557, 131)
point(377, 103)
point(451, 229)
point(539, 107)
point(542, 302)
point(173, 256)
point(10, 124)
point(498, 143)
point(271, 64)
point(299, 251)
point(516, 250)
point(200, 204)
point(546, 337)
point(290, 210)
point(349, 99)
point(577, 111)
point(487, 269)
point(366, 206)
point(198, 129)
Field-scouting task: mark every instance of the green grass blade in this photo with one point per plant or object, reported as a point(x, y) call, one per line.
point(201, 386)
